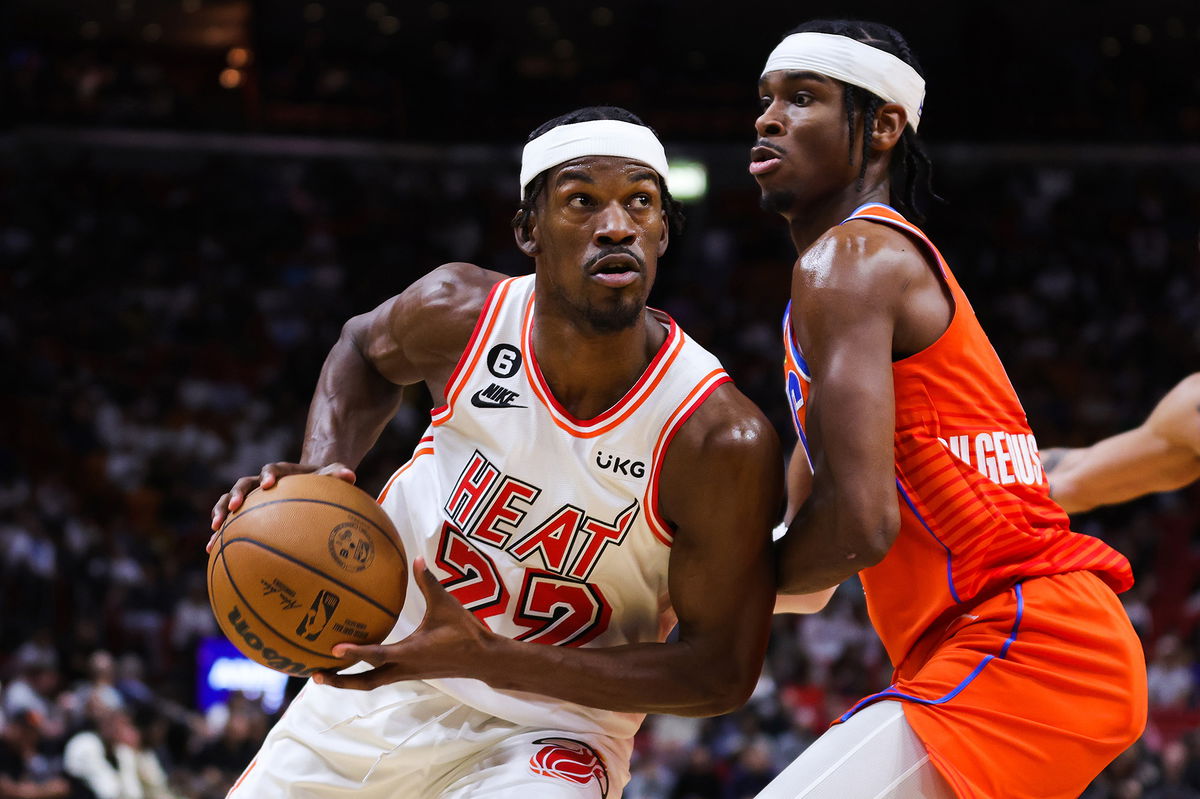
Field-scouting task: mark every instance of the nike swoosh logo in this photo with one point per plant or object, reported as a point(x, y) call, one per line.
point(482, 402)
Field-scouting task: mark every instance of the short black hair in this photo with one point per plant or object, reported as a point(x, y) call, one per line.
point(911, 170)
point(671, 207)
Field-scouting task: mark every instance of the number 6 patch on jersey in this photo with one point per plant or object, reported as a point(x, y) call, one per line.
point(570, 760)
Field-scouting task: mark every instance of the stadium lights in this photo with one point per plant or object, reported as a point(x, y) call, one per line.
point(689, 180)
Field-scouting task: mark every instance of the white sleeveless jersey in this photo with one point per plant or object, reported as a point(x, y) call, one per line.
point(545, 526)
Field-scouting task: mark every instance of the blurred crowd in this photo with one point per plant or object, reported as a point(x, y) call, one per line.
point(442, 71)
point(165, 318)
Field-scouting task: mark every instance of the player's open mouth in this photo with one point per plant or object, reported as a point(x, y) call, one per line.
point(616, 271)
point(763, 160)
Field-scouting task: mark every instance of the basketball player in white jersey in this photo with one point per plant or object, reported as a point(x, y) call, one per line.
point(590, 476)
point(1161, 454)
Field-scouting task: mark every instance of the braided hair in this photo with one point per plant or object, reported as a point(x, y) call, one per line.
point(672, 208)
point(911, 170)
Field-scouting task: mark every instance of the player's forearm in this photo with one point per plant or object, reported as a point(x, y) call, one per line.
point(832, 538)
point(350, 407)
point(636, 678)
point(1118, 469)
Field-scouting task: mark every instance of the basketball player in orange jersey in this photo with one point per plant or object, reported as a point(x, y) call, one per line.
point(589, 476)
point(1017, 673)
point(1161, 454)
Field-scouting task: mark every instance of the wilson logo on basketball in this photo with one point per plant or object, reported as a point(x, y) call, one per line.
point(573, 761)
point(269, 656)
point(350, 545)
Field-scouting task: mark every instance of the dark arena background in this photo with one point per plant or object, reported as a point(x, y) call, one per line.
point(195, 194)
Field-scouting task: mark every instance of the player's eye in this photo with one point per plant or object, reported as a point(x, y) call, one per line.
point(642, 201)
point(764, 103)
point(802, 98)
point(579, 201)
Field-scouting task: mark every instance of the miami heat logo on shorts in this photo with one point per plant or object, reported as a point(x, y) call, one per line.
point(573, 761)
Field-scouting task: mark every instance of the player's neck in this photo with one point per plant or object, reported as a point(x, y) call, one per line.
point(589, 372)
point(809, 222)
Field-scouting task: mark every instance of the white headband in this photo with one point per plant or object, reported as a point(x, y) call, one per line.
point(598, 137)
point(853, 62)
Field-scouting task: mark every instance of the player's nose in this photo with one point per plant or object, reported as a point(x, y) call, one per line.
point(768, 123)
point(614, 225)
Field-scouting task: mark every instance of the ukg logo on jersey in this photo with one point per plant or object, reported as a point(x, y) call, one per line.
point(620, 465)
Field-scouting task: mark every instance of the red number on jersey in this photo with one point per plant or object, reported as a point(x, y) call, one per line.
point(560, 612)
point(474, 580)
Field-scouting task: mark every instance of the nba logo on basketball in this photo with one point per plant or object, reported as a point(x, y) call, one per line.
point(318, 616)
point(573, 761)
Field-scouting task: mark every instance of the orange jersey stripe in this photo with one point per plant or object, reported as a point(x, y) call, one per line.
point(242, 778)
point(424, 447)
point(473, 350)
point(695, 398)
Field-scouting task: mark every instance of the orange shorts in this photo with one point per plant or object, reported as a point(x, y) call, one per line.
point(1030, 693)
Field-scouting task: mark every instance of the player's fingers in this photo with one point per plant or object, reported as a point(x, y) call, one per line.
point(339, 470)
point(270, 474)
point(219, 512)
point(211, 542)
point(237, 494)
point(376, 655)
point(429, 585)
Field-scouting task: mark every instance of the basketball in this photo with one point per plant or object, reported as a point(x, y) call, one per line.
point(310, 563)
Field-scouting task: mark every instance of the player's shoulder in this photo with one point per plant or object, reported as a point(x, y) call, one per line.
point(456, 286)
point(443, 301)
point(726, 426)
point(866, 253)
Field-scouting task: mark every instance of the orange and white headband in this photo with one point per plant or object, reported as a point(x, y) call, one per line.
point(596, 137)
point(850, 61)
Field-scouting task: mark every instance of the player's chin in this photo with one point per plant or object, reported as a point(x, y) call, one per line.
point(616, 313)
point(776, 201)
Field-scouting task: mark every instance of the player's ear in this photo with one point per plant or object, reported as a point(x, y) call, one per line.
point(666, 233)
point(526, 235)
point(890, 120)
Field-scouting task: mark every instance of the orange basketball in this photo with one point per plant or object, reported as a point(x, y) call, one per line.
point(309, 563)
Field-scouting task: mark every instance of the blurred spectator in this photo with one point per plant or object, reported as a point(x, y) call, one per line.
point(699, 778)
point(98, 694)
point(1173, 783)
point(34, 694)
point(112, 762)
point(752, 772)
point(25, 773)
point(1170, 677)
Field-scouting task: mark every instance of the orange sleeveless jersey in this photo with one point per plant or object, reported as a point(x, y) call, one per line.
point(975, 509)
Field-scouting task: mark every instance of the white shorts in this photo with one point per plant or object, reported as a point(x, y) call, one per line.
point(419, 743)
point(872, 755)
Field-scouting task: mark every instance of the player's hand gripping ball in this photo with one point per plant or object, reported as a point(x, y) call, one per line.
point(307, 564)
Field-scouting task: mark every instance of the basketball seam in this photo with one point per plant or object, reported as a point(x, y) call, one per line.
point(265, 623)
point(386, 533)
point(309, 567)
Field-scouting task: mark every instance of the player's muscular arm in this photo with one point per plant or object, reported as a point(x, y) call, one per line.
point(721, 488)
point(416, 335)
point(1161, 454)
point(848, 292)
